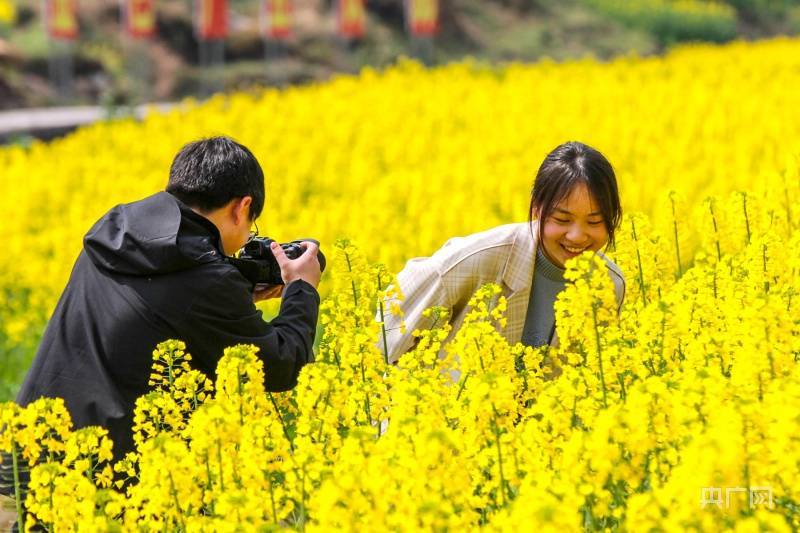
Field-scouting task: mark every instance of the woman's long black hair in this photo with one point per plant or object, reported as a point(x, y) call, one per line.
point(571, 164)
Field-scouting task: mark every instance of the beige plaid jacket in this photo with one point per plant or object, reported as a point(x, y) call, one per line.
point(503, 255)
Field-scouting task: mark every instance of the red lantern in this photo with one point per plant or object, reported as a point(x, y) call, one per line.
point(140, 18)
point(351, 17)
point(211, 19)
point(277, 19)
point(61, 19)
point(422, 17)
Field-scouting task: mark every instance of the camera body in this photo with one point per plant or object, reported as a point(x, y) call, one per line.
point(259, 265)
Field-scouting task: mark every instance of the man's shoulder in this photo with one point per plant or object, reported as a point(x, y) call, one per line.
point(207, 286)
point(221, 273)
point(185, 288)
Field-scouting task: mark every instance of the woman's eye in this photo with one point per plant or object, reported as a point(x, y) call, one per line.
point(595, 223)
point(561, 220)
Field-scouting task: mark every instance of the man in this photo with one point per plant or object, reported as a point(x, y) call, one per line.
point(159, 269)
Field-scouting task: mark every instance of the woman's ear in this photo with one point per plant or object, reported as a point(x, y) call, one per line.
point(535, 211)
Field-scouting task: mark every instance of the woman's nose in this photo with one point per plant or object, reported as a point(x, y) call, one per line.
point(575, 234)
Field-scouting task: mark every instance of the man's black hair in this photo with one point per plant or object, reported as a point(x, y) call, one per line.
point(209, 173)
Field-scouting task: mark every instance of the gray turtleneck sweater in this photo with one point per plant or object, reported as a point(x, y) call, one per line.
point(548, 281)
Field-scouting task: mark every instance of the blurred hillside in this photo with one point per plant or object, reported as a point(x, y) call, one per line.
point(111, 70)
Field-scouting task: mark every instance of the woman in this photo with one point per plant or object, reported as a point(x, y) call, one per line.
point(574, 208)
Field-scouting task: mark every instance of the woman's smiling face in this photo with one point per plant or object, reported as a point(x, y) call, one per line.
point(574, 226)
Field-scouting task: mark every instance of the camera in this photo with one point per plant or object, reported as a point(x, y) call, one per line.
point(258, 265)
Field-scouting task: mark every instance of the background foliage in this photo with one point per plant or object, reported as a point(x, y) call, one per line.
point(403, 159)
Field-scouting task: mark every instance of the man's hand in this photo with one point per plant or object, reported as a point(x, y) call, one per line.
point(267, 293)
point(305, 267)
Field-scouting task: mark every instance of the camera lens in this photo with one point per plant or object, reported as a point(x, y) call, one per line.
point(293, 251)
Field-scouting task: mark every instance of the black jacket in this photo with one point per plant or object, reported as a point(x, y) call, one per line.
point(149, 271)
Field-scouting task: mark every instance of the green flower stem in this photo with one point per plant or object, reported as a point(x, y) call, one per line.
point(463, 384)
point(675, 229)
point(240, 389)
point(367, 407)
point(221, 472)
point(639, 261)
point(322, 416)
point(283, 422)
point(746, 218)
point(716, 232)
point(210, 485)
point(303, 499)
point(499, 456)
point(171, 378)
point(599, 355)
point(17, 495)
point(174, 493)
point(272, 499)
point(352, 281)
point(383, 322)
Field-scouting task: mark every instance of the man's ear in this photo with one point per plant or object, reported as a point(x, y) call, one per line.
point(241, 209)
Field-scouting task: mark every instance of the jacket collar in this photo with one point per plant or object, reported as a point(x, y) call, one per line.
point(518, 270)
point(203, 223)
